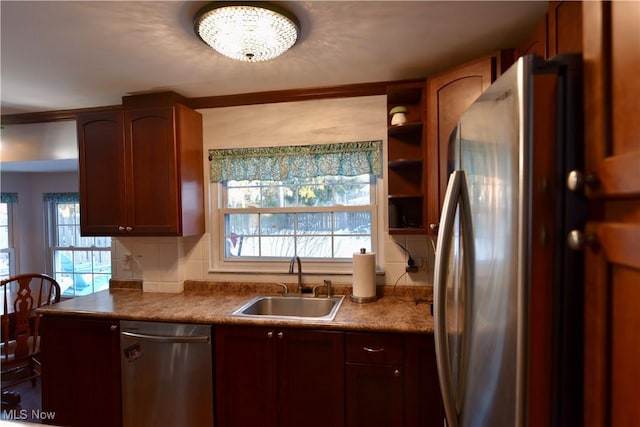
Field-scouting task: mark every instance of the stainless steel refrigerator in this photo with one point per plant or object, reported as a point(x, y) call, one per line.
point(507, 289)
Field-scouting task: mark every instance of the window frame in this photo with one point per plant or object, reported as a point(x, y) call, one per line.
point(219, 264)
point(12, 240)
point(51, 229)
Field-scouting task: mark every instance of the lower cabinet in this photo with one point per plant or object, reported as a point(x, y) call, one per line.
point(81, 371)
point(375, 380)
point(392, 380)
point(304, 377)
point(279, 377)
point(423, 401)
point(264, 376)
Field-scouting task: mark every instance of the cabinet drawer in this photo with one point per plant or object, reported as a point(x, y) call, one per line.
point(384, 349)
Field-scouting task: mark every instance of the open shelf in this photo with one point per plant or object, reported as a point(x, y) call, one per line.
point(406, 160)
point(404, 163)
point(409, 128)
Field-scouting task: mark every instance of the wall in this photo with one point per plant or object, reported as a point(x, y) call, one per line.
point(30, 235)
point(39, 141)
point(163, 263)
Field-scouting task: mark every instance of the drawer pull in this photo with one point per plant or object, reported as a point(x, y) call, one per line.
point(373, 350)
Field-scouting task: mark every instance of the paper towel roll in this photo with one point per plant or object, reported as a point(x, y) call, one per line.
point(364, 275)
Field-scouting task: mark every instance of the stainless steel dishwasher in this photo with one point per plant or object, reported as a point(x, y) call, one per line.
point(166, 374)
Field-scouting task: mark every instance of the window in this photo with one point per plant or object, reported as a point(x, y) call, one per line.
point(316, 202)
point(7, 252)
point(324, 217)
point(81, 265)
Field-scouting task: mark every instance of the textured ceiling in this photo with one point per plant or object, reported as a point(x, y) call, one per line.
point(59, 55)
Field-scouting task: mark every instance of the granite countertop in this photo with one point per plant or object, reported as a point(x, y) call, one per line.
point(395, 310)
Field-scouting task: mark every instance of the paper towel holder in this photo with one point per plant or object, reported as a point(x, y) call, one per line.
point(362, 300)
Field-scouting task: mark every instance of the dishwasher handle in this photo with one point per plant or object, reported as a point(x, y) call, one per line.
point(167, 339)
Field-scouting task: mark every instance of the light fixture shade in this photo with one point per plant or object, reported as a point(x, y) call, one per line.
point(251, 32)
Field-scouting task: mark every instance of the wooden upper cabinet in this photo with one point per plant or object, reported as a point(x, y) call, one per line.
point(449, 94)
point(559, 31)
point(565, 27)
point(101, 167)
point(612, 159)
point(537, 42)
point(141, 172)
point(151, 171)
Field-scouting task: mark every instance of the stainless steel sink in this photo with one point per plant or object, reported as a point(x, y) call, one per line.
point(292, 307)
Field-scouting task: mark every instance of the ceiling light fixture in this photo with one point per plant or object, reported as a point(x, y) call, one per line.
point(251, 32)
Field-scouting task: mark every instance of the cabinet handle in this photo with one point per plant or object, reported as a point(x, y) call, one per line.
point(578, 180)
point(113, 328)
point(121, 228)
point(280, 335)
point(270, 334)
point(396, 373)
point(578, 241)
point(373, 349)
point(129, 228)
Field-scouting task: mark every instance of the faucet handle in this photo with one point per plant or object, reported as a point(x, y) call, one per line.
point(285, 289)
point(326, 283)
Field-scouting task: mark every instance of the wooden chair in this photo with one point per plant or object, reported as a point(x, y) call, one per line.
point(22, 295)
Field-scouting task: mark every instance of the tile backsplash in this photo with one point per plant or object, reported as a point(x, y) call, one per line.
point(164, 263)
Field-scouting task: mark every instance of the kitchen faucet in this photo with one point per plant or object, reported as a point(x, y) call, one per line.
point(294, 260)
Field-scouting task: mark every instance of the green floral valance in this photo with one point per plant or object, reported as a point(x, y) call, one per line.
point(61, 197)
point(296, 161)
point(8, 197)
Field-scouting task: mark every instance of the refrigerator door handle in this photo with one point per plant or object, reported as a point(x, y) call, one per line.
point(447, 220)
point(457, 195)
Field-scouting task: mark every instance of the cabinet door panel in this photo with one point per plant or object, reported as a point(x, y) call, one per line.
point(81, 371)
point(191, 170)
point(612, 268)
point(245, 377)
point(375, 395)
point(565, 27)
point(423, 402)
point(448, 95)
point(101, 167)
point(536, 42)
point(311, 373)
point(152, 171)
